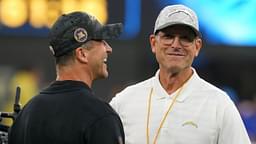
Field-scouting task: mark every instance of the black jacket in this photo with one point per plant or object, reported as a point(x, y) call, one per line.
point(67, 112)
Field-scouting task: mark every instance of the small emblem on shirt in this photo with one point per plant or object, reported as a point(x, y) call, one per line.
point(190, 123)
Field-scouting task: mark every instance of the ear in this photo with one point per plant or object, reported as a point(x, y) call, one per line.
point(81, 55)
point(152, 40)
point(199, 44)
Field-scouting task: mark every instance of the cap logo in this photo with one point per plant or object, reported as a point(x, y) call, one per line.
point(80, 35)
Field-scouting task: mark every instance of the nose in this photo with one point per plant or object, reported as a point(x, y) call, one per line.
point(108, 47)
point(176, 42)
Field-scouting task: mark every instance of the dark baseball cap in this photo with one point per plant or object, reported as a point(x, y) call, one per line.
point(72, 30)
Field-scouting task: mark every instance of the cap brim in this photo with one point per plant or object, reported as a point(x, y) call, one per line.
point(109, 31)
point(178, 23)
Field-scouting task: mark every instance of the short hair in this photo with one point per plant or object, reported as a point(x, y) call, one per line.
point(65, 60)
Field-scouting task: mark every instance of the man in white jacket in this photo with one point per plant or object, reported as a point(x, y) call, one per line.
point(176, 106)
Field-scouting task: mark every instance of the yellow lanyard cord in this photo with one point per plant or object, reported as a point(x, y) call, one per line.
point(165, 115)
point(149, 105)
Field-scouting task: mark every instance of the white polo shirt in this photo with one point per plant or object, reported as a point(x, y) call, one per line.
point(202, 114)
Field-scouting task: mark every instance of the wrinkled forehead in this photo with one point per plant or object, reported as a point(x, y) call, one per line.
point(179, 30)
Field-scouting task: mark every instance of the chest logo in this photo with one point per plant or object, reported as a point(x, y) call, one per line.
point(187, 123)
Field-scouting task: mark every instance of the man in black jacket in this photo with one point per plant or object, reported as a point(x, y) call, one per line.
point(67, 112)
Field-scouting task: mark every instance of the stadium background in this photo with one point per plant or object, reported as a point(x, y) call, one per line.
point(227, 59)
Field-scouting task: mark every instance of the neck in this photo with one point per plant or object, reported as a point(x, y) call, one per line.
point(74, 73)
point(173, 81)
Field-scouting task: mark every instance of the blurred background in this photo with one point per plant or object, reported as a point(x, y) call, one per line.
point(227, 59)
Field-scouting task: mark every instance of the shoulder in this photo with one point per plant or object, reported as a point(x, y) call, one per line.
point(98, 107)
point(106, 129)
point(197, 84)
point(132, 96)
point(203, 90)
point(140, 86)
point(133, 90)
point(211, 89)
point(213, 93)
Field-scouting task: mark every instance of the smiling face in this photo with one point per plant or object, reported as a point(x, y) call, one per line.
point(97, 58)
point(175, 47)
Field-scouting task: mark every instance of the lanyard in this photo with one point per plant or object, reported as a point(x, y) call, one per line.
point(164, 117)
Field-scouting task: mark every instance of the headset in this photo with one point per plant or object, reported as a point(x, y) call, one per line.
point(16, 109)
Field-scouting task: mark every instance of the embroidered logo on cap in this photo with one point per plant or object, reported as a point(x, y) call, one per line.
point(80, 35)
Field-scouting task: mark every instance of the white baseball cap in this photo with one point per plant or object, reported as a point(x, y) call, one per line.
point(177, 14)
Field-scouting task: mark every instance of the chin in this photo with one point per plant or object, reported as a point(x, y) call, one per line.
point(175, 69)
point(105, 74)
point(101, 77)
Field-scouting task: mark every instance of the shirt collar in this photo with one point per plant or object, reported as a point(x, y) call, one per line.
point(160, 92)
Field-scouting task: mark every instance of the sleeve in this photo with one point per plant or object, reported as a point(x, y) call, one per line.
point(107, 130)
point(232, 129)
point(114, 103)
